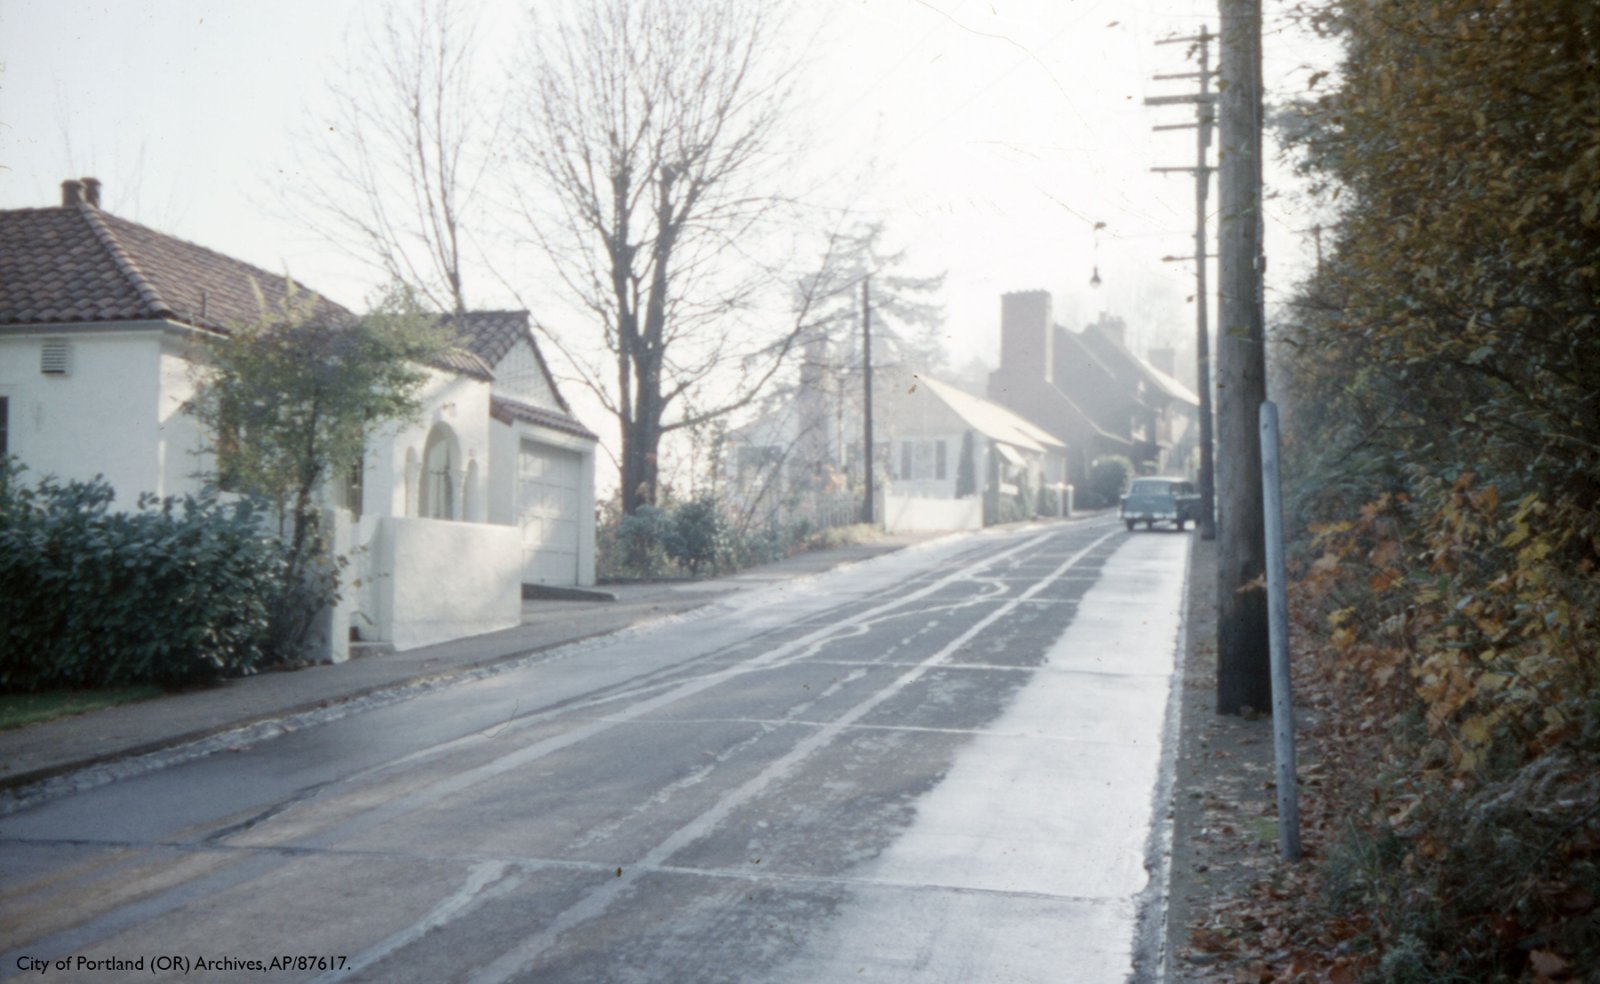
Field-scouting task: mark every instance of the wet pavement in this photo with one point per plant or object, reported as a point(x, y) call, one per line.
point(943, 764)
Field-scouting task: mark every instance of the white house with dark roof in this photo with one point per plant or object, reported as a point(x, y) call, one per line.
point(101, 323)
point(936, 430)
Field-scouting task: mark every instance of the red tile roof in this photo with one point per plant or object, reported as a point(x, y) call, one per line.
point(464, 362)
point(490, 335)
point(76, 263)
point(507, 411)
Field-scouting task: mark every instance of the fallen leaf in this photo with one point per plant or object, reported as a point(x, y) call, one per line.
point(1547, 964)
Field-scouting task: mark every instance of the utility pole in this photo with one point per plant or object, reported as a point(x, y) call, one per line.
point(866, 362)
point(1244, 677)
point(1205, 116)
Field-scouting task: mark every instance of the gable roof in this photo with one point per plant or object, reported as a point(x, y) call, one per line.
point(991, 419)
point(462, 361)
point(1074, 347)
point(1108, 349)
point(76, 263)
point(488, 334)
point(508, 411)
point(491, 335)
point(1062, 410)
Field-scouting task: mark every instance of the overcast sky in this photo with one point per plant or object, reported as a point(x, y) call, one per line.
point(993, 134)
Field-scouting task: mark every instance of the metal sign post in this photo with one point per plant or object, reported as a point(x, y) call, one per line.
point(1278, 632)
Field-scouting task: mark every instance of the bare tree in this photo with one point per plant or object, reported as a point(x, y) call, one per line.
point(395, 168)
point(654, 129)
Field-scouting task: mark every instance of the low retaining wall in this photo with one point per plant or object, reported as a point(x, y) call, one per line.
point(434, 580)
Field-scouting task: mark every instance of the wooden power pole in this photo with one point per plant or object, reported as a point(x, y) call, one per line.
point(866, 362)
point(1244, 677)
point(1205, 116)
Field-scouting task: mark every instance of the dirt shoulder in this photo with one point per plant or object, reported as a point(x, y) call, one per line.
point(1224, 823)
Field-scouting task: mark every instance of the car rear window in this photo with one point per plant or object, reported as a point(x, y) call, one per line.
point(1149, 488)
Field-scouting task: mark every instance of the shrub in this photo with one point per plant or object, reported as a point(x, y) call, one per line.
point(176, 592)
point(639, 541)
point(1108, 478)
point(696, 535)
point(763, 545)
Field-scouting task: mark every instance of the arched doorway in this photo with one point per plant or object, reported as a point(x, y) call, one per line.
point(441, 461)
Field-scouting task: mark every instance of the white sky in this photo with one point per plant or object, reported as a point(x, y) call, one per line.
point(995, 133)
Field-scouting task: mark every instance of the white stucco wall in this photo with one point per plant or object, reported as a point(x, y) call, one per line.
point(502, 491)
point(185, 464)
point(392, 469)
point(112, 414)
point(434, 580)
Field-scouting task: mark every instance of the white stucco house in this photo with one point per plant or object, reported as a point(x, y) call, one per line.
point(932, 427)
point(102, 324)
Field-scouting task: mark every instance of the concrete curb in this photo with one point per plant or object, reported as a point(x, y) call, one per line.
point(178, 739)
point(43, 754)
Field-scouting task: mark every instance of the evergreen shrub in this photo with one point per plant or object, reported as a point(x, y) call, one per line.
point(175, 592)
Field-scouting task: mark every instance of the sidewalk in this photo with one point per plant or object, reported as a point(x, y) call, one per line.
point(39, 752)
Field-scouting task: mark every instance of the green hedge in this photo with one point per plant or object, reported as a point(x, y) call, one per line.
point(1108, 479)
point(175, 592)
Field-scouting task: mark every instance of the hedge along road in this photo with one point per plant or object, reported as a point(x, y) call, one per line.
point(941, 764)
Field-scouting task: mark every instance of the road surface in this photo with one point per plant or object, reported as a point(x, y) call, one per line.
point(937, 766)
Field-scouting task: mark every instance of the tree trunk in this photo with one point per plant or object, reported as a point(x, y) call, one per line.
point(640, 439)
point(1243, 669)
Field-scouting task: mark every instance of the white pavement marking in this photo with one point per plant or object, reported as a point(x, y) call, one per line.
point(255, 865)
point(512, 761)
point(1035, 815)
point(517, 962)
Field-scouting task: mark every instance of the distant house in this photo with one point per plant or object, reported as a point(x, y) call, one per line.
point(1089, 390)
point(960, 461)
point(101, 323)
point(797, 459)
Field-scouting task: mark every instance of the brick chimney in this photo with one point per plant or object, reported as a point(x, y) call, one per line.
point(1027, 335)
point(91, 191)
point(71, 192)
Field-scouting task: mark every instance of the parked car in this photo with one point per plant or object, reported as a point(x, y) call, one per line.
point(1160, 500)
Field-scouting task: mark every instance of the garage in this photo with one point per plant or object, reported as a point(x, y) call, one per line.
point(549, 510)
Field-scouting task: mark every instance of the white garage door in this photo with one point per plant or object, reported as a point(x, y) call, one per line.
point(548, 511)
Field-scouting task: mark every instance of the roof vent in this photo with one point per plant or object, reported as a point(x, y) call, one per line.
point(55, 358)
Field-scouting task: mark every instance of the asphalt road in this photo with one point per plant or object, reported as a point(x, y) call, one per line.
point(941, 765)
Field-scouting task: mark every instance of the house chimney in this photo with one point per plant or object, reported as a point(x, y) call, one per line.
point(91, 191)
point(71, 193)
point(1027, 335)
